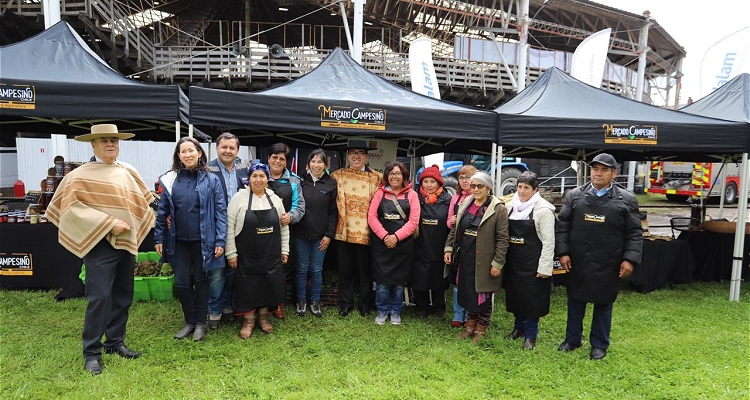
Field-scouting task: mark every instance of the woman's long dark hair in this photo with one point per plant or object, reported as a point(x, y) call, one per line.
point(202, 161)
point(401, 167)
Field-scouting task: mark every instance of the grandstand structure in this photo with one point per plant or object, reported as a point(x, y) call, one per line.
point(249, 45)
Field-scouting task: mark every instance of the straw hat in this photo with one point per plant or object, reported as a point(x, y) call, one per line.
point(102, 131)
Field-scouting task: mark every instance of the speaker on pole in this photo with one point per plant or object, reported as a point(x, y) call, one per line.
point(277, 51)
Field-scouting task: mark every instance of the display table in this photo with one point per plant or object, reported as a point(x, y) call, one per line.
point(712, 254)
point(663, 262)
point(40, 261)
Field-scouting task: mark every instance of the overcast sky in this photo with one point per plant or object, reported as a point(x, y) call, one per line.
point(695, 25)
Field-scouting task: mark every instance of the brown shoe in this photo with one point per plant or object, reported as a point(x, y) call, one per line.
point(529, 344)
point(480, 333)
point(265, 324)
point(469, 326)
point(279, 312)
point(247, 325)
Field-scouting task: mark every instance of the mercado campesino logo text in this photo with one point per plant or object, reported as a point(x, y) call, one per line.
point(630, 134)
point(352, 117)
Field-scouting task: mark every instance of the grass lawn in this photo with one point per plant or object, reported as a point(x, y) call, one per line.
point(688, 342)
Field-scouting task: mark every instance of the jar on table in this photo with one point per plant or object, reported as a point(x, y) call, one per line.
point(3, 217)
point(42, 219)
point(11, 218)
point(50, 184)
point(21, 218)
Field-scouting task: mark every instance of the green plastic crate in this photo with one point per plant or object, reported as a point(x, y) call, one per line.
point(140, 289)
point(160, 287)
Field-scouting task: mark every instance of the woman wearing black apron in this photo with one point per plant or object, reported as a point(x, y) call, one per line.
point(257, 246)
point(529, 260)
point(481, 238)
point(427, 279)
point(462, 193)
point(393, 217)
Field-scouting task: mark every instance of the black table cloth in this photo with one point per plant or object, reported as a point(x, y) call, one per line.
point(663, 262)
point(52, 266)
point(712, 254)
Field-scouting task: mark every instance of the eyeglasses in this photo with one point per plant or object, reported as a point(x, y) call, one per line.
point(356, 152)
point(476, 186)
point(395, 174)
point(464, 178)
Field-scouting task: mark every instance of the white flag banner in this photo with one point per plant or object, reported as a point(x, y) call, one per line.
point(423, 78)
point(724, 60)
point(589, 58)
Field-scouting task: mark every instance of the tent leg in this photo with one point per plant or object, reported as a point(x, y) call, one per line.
point(176, 131)
point(739, 234)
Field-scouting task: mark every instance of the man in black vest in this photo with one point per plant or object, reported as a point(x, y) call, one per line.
point(599, 239)
point(233, 177)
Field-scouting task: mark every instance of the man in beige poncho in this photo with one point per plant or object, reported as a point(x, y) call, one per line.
point(356, 185)
point(103, 214)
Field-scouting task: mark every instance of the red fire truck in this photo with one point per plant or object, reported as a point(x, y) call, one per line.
point(681, 180)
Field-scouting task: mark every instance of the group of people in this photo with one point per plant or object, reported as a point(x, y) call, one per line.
point(235, 235)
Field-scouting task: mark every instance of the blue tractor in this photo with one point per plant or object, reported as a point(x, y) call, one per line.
point(510, 170)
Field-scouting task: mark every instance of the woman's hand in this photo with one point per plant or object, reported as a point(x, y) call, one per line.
point(284, 258)
point(453, 220)
point(158, 247)
point(232, 262)
point(218, 251)
point(390, 241)
point(324, 243)
point(543, 276)
point(495, 272)
point(285, 219)
point(447, 257)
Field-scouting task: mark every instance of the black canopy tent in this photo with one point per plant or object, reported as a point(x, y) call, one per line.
point(341, 98)
point(53, 83)
point(558, 116)
point(731, 101)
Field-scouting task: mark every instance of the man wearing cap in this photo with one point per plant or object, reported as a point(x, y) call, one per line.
point(103, 214)
point(356, 184)
point(599, 240)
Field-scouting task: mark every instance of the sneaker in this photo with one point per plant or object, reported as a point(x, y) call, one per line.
point(380, 319)
point(395, 319)
point(301, 307)
point(315, 309)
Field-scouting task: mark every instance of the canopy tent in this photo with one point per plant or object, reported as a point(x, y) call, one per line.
point(558, 116)
point(731, 101)
point(53, 83)
point(341, 98)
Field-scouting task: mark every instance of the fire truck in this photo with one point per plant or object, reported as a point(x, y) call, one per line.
point(682, 180)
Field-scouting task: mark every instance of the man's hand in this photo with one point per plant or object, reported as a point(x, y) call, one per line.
point(285, 219)
point(626, 268)
point(120, 227)
point(565, 262)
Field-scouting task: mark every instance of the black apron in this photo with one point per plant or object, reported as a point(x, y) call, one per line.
point(468, 227)
point(428, 252)
point(392, 266)
point(259, 281)
point(525, 294)
point(596, 248)
point(284, 191)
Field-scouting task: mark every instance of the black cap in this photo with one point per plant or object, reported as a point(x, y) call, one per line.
point(361, 144)
point(604, 159)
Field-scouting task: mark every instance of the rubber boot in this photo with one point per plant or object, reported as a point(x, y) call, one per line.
point(470, 325)
point(247, 325)
point(480, 333)
point(265, 324)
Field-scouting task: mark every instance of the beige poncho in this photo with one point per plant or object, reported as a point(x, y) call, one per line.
point(90, 200)
point(355, 190)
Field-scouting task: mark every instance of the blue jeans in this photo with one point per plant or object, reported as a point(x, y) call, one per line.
point(389, 298)
point(459, 313)
point(309, 259)
point(529, 326)
point(220, 289)
point(601, 323)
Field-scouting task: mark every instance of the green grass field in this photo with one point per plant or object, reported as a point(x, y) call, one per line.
point(688, 342)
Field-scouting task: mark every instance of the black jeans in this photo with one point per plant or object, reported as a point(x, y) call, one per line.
point(354, 269)
point(190, 281)
point(109, 291)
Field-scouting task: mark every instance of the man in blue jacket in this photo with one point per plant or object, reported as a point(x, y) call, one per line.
point(233, 177)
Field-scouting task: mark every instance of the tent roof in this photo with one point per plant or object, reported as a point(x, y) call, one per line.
point(731, 101)
point(340, 97)
point(558, 116)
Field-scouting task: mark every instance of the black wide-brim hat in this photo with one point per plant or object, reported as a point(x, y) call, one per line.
point(361, 144)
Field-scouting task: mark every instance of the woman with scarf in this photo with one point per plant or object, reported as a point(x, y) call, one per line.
point(393, 217)
point(480, 237)
point(530, 258)
point(191, 231)
point(463, 191)
point(427, 279)
point(257, 246)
